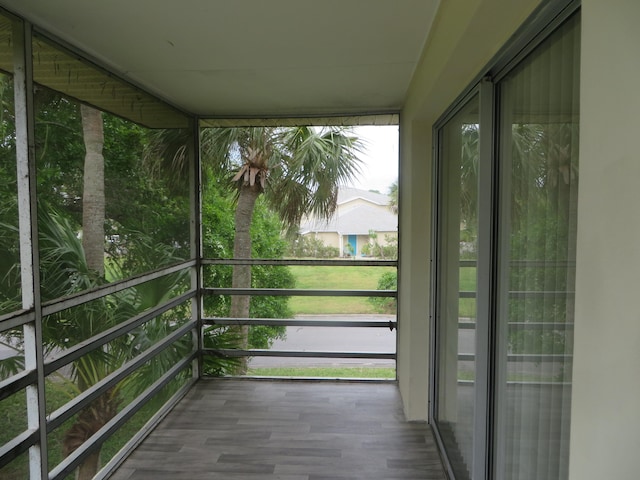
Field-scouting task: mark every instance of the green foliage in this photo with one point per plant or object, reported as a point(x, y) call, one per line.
point(64, 272)
point(59, 152)
point(393, 194)
point(298, 169)
point(218, 338)
point(267, 242)
point(13, 414)
point(307, 246)
point(349, 250)
point(10, 294)
point(542, 236)
point(388, 281)
point(387, 251)
point(136, 201)
point(146, 223)
point(9, 239)
point(540, 222)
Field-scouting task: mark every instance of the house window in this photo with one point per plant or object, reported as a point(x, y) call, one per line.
point(507, 180)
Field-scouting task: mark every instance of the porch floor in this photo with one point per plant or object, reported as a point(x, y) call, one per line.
point(287, 430)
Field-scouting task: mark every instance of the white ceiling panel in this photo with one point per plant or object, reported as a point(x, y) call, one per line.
point(250, 58)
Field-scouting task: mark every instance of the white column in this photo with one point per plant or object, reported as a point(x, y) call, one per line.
point(413, 282)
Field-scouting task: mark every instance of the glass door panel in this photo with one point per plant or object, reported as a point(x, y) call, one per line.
point(539, 121)
point(457, 280)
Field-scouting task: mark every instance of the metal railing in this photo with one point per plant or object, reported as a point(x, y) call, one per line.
point(288, 322)
point(194, 327)
point(29, 378)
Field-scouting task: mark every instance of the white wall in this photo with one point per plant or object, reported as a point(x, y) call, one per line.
point(413, 282)
point(461, 43)
point(605, 424)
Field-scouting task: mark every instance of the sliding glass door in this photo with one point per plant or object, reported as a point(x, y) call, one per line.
point(538, 191)
point(507, 179)
point(458, 247)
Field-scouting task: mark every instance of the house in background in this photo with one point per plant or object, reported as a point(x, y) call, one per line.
point(361, 218)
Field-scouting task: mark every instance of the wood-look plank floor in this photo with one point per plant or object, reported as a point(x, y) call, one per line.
point(287, 430)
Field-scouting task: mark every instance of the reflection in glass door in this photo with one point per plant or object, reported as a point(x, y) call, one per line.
point(538, 211)
point(458, 246)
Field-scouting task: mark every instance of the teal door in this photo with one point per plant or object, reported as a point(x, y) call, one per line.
point(353, 244)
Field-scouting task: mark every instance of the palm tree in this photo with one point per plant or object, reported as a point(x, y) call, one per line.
point(93, 199)
point(66, 269)
point(298, 170)
point(393, 194)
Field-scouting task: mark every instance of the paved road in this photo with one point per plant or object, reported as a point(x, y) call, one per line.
point(333, 339)
point(380, 340)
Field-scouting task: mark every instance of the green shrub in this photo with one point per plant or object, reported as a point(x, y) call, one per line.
point(387, 281)
point(311, 247)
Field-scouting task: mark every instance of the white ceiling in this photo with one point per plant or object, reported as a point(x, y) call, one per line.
point(251, 58)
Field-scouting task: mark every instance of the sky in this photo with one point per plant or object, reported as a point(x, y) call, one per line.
point(380, 158)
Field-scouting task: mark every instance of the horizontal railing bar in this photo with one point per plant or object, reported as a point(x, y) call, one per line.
point(525, 383)
point(293, 292)
point(17, 382)
point(82, 348)
point(541, 325)
point(17, 446)
point(70, 301)
point(546, 293)
point(299, 323)
point(16, 319)
point(69, 464)
point(232, 352)
point(65, 412)
point(524, 357)
point(523, 294)
point(309, 262)
point(524, 325)
point(527, 263)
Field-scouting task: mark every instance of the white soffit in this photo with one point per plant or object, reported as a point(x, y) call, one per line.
point(251, 58)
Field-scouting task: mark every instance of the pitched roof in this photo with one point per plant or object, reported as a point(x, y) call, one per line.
point(357, 221)
point(346, 194)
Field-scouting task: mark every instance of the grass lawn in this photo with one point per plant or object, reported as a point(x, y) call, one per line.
point(335, 278)
point(467, 283)
point(357, 278)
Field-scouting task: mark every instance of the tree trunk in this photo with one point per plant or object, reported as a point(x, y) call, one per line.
point(93, 215)
point(93, 202)
point(242, 273)
point(88, 469)
point(87, 423)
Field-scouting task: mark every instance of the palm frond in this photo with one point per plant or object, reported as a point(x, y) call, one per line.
point(217, 337)
point(166, 155)
point(12, 364)
point(315, 165)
